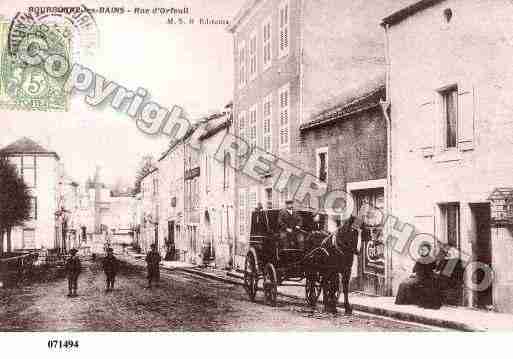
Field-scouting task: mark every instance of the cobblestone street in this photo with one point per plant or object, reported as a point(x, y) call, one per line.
point(183, 302)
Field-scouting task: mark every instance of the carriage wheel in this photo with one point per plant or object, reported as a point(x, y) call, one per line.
point(250, 276)
point(312, 289)
point(270, 284)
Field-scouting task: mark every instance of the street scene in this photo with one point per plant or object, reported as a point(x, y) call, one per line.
point(256, 165)
point(183, 302)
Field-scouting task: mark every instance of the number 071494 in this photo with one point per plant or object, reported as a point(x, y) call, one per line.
point(62, 344)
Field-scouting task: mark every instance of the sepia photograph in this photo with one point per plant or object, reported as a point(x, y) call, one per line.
point(213, 171)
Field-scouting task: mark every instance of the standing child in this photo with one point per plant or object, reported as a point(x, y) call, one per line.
point(153, 262)
point(110, 267)
point(73, 268)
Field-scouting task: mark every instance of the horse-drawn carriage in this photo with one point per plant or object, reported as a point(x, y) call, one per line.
point(321, 264)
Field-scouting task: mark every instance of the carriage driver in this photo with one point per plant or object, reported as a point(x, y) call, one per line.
point(290, 223)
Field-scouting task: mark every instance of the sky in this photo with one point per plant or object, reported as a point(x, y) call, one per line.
point(186, 65)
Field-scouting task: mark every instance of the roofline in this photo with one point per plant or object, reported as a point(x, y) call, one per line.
point(244, 11)
point(149, 173)
point(175, 144)
point(317, 121)
point(313, 126)
point(45, 154)
point(408, 11)
point(171, 148)
point(214, 131)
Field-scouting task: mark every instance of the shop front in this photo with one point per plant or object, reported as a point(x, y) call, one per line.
point(369, 269)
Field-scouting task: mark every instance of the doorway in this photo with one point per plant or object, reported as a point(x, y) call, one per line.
point(481, 214)
point(371, 259)
point(170, 245)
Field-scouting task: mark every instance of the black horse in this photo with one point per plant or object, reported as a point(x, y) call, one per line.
point(332, 260)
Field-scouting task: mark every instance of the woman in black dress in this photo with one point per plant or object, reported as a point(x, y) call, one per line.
point(422, 288)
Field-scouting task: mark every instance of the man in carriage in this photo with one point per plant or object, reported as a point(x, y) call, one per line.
point(290, 223)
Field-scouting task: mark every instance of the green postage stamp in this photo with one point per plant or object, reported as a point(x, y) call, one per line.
point(31, 87)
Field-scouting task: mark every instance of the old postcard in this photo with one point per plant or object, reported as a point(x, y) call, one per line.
point(255, 165)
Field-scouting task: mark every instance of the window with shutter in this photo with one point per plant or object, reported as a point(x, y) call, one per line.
point(267, 131)
point(267, 44)
point(252, 138)
point(284, 118)
point(242, 214)
point(426, 125)
point(33, 208)
point(466, 117)
point(284, 29)
point(253, 56)
point(28, 170)
point(242, 124)
point(242, 64)
point(243, 135)
point(451, 224)
point(252, 203)
point(269, 197)
point(450, 117)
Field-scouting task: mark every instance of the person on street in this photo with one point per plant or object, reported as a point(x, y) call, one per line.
point(73, 268)
point(153, 263)
point(290, 223)
point(110, 267)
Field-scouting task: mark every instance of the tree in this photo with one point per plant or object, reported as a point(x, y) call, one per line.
point(15, 201)
point(146, 165)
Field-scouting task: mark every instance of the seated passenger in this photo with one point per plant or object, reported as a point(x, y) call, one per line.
point(421, 288)
point(290, 223)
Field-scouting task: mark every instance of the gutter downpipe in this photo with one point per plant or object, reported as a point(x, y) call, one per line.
point(385, 107)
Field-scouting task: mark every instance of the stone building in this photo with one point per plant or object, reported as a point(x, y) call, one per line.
point(346, 149)
point(450, 86)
